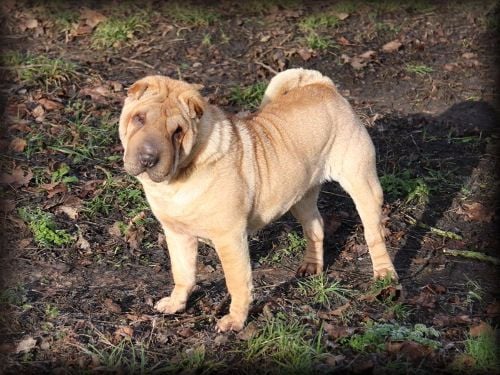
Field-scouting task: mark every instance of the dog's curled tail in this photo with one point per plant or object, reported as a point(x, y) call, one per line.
point(290, 79)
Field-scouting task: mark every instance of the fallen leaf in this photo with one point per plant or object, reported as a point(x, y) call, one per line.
point(82, 243)
point(469, 55)
point(409, 349)
point(482, 328)
point(493, 310)
point(25, 345)
point(134, 236)
point(368, 55)
point(248, 332)
point(115, 230)
point(38, 112)
point(17, 177)
point(185, 332)
point(54, 188)
point(305, 53)
point(341, 15)
point(31, 23)
point(71, 212)
point(112, 306)
point(357, 62)
point(50, 105)
point(445, 320)
point(476, 211)
point(92, 17)
point(392, 46)
point(123, 331)
point(337, 332)
point(450, 67)
point(98, 94)
point(343, 41)
point(17, 145)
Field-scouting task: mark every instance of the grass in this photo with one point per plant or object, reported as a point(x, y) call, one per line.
point(484, 349)
point(418, 69)
point(61, 175)
point(122, 193)
point(375, 336)
point(322, 291)
point(114, 32)
point(295, 246)
point(190, 14)
point(402, 185)
point(285, 343)
point(318, 21)
point(51, 311)
point(248, 97)
point(39, 69)
point(317, 42)
point(44, 228)
point(14, 296)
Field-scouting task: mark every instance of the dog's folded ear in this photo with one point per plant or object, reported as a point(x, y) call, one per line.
point(192, 103)
point(137, 89)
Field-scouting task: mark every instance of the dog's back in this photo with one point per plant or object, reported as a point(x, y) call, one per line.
point(291, 79)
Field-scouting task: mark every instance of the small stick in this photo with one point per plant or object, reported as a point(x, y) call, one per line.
point(439, 232)
point(472, 255)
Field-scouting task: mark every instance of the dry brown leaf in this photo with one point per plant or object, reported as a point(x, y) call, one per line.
point(368, 55)
point(115, 230)
point(392, 46)
point(25, 345)
point(112, 306)
point(343, 41)
point(134, 237)
point(38, 112)
point(337, 332)
point(54, 188)
point(82, 243)
point(469, 55)
point(31, 23)
point(17, 145)
point(305, 53)
point(248, 332)
point(476, 211)
point(98, 94)
point(92, 17)
point(185, 332)
point(409, 349)
point(123, 331)
point(50, 105)
point(69, 211)
point(17, 177)
point(341, 15)
point(481, 329)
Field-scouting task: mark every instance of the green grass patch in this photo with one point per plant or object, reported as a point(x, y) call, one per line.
point(403, 185)
point(114, 32)
point(295, 247)
point(375, 336)
point(285, 343)
point(14, 296)
point(323, 291)
point(484, 349)
point(190, 14)
point(43, 227)
point(39, 69)
point(318, 21)
point(123, 194)
point(419, 70)
point(317, 42)
point(249, 97)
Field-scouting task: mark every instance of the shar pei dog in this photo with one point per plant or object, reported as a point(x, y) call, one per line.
point(211, 176)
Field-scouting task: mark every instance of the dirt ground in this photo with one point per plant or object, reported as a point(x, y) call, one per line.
point(84, 260)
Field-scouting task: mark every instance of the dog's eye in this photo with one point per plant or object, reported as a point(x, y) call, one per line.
point(139, 119)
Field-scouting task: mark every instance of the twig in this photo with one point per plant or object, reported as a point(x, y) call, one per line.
point(472, 255)
point(139, 62)
point(266, 67)
point(439, 232)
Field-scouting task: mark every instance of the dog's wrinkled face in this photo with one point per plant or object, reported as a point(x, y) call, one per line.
point(158, 126)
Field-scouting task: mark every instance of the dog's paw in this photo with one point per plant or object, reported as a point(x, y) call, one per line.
point(387, 272)
point(169, 305)
point(308, 269)
point(230, 323)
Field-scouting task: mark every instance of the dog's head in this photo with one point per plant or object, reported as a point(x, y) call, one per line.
point(158, 126)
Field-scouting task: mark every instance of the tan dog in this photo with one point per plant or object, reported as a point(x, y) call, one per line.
point(210, 176)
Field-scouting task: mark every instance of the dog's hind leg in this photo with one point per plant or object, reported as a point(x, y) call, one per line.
point(306, 212)
point(363, 186)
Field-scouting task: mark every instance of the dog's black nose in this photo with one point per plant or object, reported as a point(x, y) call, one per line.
point(148, 156)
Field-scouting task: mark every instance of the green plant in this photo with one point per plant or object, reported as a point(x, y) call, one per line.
point(475, 292)
point(316, 21)
point(418, 69)
point(323, 291)
point(60, 175)
point(14, 296)
point(398, 310)
point(115, 31)
point(285, 343)
point(40, 69)
point(249, 97)
point(484, 349)
point(403, 185)
point(375, 336)
point(51, 312)
point(44, 228)
point(317, 42)
point(295, 246)
point(191, 14)
point(207, 40)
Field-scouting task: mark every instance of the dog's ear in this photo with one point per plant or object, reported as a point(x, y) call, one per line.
point(192, 103)
point(137, 89)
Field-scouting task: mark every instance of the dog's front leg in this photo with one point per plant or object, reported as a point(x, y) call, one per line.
point(183, 250)
point(233, 253)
